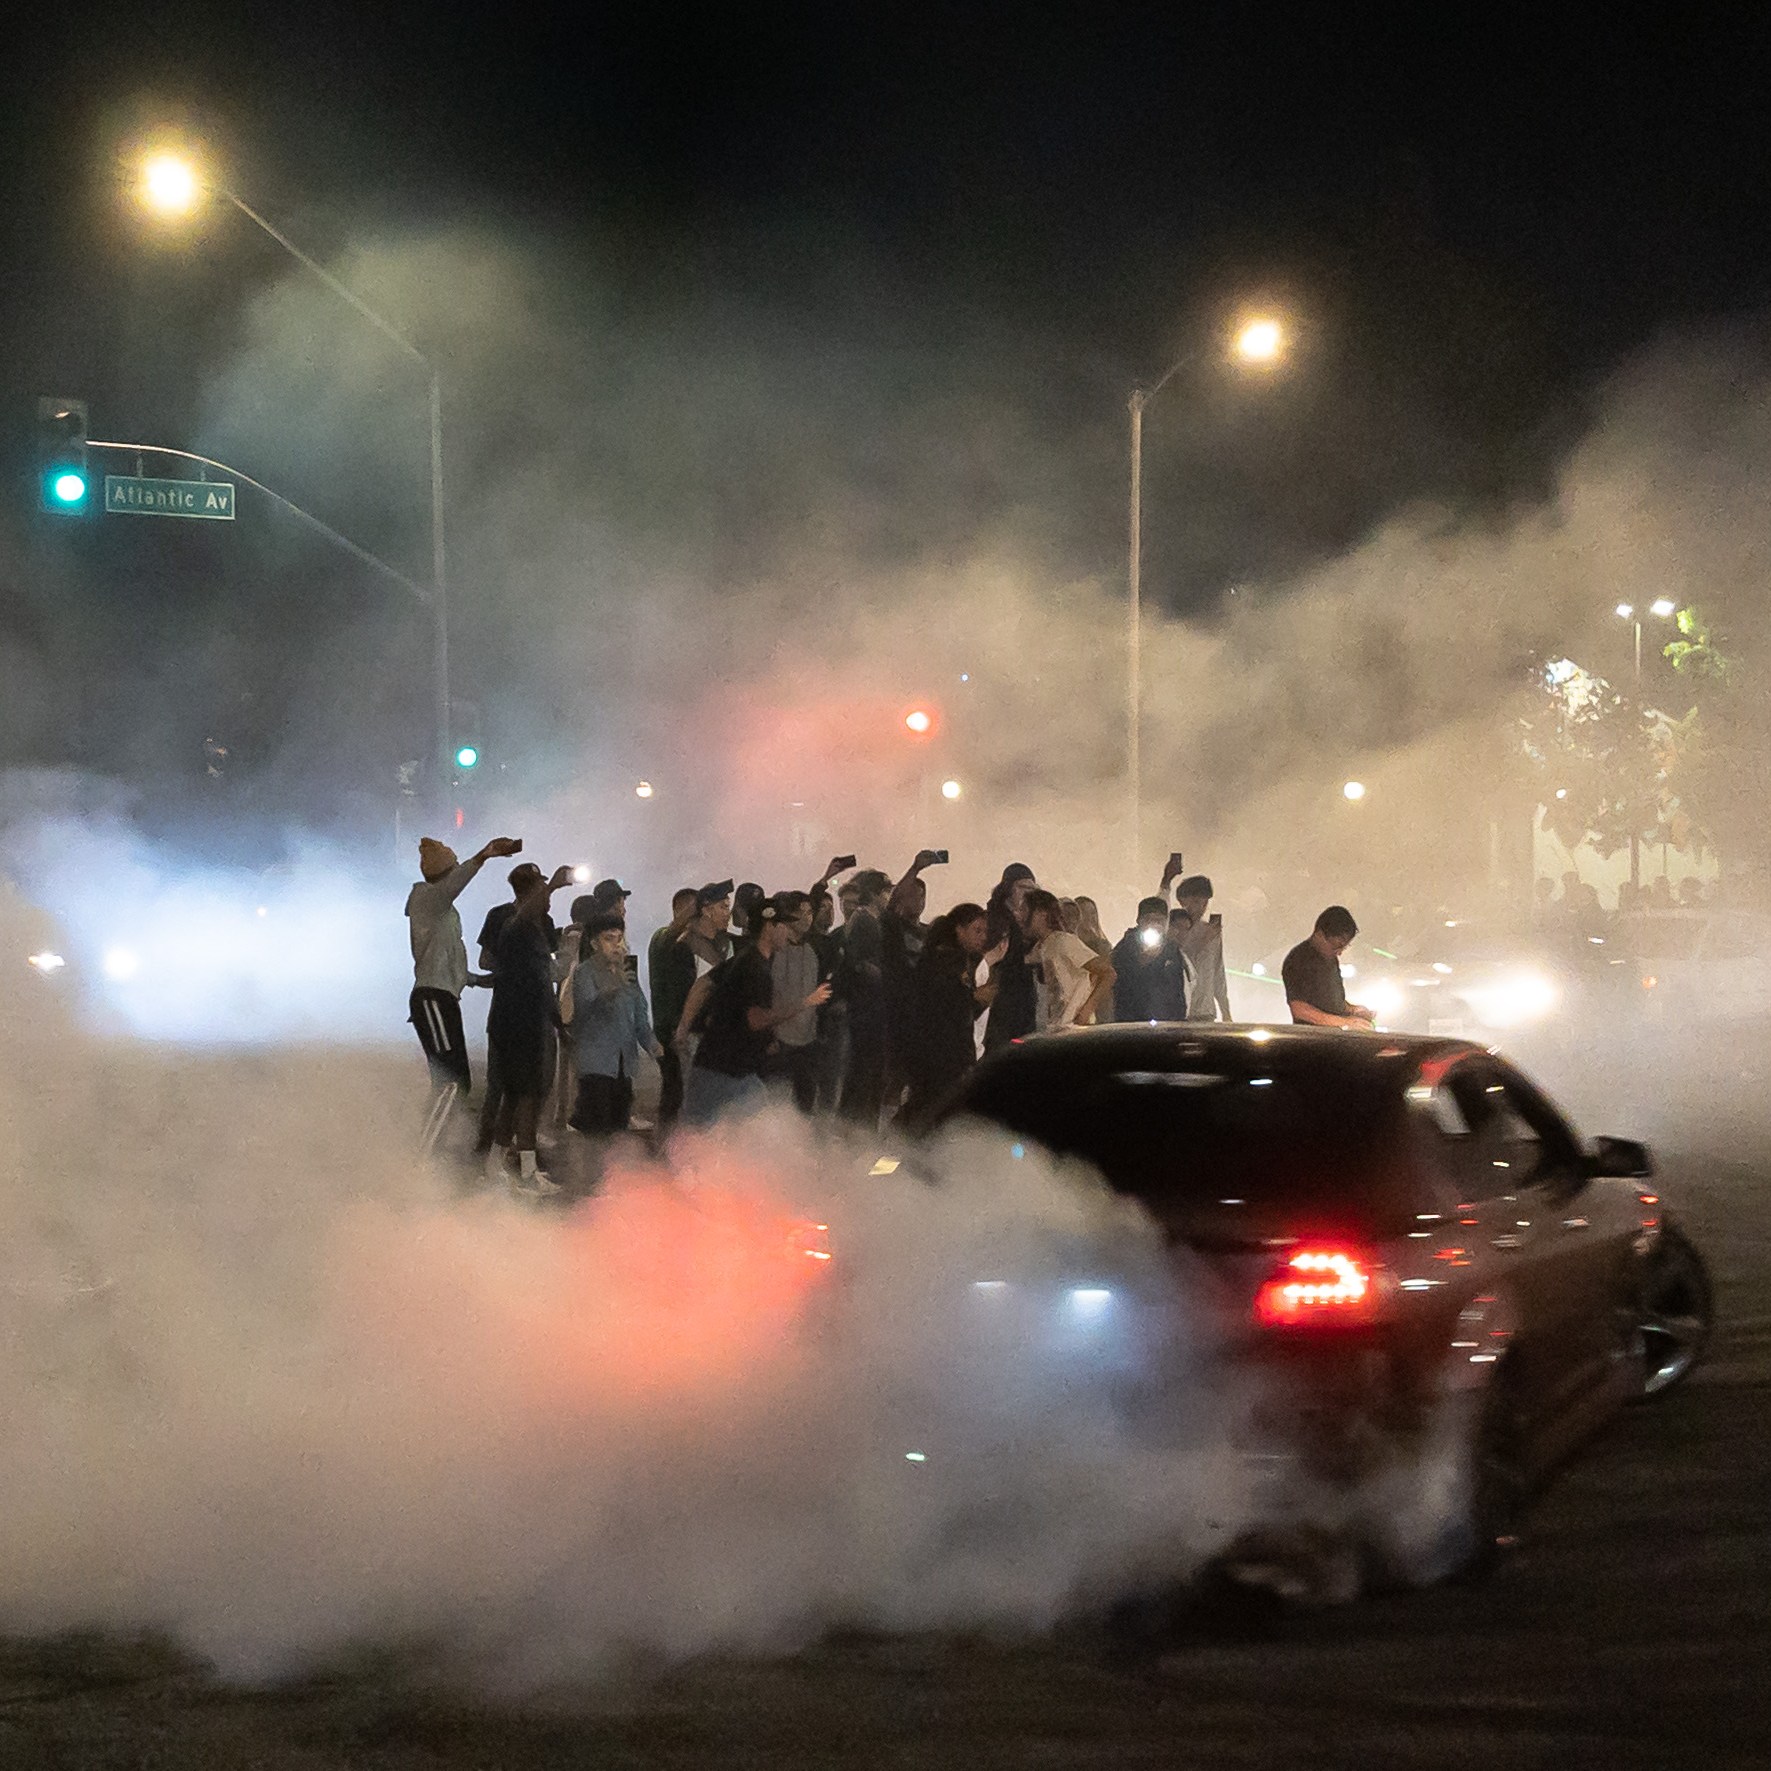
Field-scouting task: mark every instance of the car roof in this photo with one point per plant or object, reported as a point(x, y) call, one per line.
point(1319, 1051)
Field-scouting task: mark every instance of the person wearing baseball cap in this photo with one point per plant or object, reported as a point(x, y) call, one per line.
point(524, 877)
point(606, 1017)
point(609, 897)
point(707, 937)
point(521, 1026)
point(741, 1018)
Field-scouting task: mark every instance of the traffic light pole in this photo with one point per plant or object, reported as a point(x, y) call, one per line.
point(422, 592)
point(439, 582)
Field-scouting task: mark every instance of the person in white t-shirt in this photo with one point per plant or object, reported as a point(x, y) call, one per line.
point(1077, 979)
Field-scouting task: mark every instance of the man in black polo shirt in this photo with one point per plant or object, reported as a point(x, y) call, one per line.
point(1312, 975)
point(740, 1019)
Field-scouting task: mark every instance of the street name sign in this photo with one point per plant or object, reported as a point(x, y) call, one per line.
point(133, 496)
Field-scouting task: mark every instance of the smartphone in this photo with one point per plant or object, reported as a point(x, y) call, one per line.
point(1216, 919)
point(519, 848)
point(633, 966)
point(1175, 867)
point(940, 857)
point(843, 864)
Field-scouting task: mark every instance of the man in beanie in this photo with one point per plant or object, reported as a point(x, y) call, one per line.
point(439, 955)
point(1015, 1012)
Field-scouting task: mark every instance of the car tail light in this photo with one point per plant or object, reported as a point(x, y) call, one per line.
point(1319, 1287)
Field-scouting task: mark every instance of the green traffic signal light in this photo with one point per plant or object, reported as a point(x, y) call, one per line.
point(62, 479)
point(467, 756)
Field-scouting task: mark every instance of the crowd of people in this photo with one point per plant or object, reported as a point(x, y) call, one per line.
point(845, 999)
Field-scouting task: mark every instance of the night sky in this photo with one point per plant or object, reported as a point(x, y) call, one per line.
point(1472, 221)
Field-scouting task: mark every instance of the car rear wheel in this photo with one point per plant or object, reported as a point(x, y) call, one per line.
point(1467, 1489)
point(1675, 1311)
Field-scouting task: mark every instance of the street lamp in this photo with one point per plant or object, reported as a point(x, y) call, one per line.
point(169, 184)
point(172, 185)
point(1353, 791)
point(1662, 608)
point(1259, 342)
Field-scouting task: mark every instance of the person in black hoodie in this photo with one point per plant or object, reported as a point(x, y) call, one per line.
point(860, 982)
point(1015, 1010)
point(945, 1002)
point(1150, 982)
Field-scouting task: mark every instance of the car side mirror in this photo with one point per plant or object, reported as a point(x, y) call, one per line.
point(1622, 1157)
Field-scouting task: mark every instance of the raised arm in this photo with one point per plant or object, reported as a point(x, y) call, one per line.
point(457, 880)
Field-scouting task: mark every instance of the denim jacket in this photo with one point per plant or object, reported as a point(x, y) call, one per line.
point(610, 1024)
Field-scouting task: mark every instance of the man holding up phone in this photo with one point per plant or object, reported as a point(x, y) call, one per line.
point(1203, 944)
point(522, 1023)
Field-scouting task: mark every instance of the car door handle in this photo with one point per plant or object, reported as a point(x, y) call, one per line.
point(1576, 1224)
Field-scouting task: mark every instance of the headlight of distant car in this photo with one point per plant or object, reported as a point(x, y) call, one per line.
point(1515, 1000)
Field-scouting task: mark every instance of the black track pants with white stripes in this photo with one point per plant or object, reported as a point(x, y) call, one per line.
point(437, 1016)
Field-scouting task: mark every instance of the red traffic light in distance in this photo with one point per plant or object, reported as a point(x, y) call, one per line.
point(919, 721)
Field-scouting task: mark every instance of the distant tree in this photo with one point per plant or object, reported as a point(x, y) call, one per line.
point(1697, 652)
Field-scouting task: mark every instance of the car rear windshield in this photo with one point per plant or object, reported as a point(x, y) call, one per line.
point(1218, 1153)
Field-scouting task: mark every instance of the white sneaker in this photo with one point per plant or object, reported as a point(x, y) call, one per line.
point(545, 1184)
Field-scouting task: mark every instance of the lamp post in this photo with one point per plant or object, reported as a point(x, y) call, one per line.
point(1661, 608)
point(1258, 343)
point(171, 185)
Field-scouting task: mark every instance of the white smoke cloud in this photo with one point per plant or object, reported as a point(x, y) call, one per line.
point(276, 1388)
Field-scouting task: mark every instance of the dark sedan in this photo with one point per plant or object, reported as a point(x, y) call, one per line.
point(1408, 1251)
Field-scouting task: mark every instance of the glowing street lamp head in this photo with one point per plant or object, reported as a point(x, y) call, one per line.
point(1662, 606)
point(1625, 611)
point(919, 721)
point(1354, 791)
point(169, 184)
point(644, 790)
point(951, 790)
point(1260, 341)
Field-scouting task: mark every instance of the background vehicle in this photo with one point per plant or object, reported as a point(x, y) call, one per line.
point(1467, 979)
point(1706, 964)
point(1406, 1253)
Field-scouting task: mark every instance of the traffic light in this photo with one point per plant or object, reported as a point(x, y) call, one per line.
point(63, 483)
point(466, 751)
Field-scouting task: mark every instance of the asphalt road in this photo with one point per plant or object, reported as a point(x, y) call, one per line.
point(1633, 1630)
